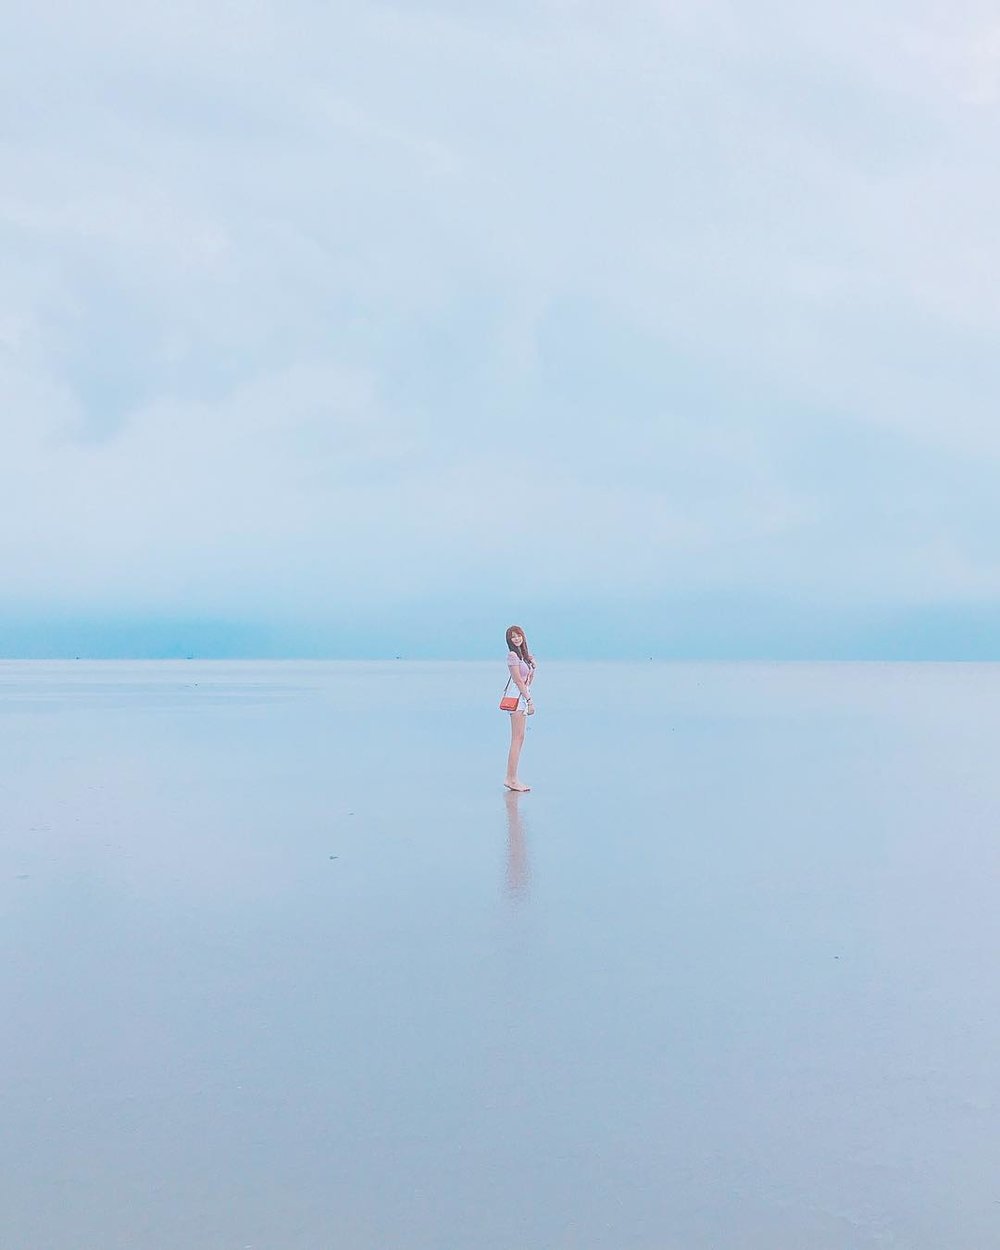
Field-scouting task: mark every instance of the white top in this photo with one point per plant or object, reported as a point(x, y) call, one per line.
point(518, 666)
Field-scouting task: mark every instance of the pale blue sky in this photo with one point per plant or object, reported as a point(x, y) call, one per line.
point(662, 328)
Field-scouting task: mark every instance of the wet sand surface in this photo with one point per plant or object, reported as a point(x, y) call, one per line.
point(285, 967)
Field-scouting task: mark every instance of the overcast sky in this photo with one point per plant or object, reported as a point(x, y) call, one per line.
point(367, 328)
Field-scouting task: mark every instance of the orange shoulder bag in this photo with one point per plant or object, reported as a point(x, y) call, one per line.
point(508, 702)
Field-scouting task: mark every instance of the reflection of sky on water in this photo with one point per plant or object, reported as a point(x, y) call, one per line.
point(266, 985)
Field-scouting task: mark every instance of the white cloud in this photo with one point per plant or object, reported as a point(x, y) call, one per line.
point(280, 282)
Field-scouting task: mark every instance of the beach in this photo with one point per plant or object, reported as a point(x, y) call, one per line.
point(287, 968)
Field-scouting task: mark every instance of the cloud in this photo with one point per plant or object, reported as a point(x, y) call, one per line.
point(364, 303)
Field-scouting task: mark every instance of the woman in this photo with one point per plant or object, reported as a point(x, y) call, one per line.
point(522, 673)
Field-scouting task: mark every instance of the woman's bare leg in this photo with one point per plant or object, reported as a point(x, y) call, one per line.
point(517, 720)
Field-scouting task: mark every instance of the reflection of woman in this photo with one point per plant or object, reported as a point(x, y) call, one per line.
point(517, 854)
point(522, 673)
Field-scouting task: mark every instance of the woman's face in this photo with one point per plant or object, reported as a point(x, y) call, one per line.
point(516, 638)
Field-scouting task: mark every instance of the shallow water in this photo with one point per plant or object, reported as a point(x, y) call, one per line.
point(287, 968)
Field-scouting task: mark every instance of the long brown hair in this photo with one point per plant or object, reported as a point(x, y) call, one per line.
point(522, 650)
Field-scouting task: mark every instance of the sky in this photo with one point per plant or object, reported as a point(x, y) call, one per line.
point(663, 329)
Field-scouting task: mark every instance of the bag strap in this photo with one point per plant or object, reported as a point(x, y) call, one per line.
point(507, 687)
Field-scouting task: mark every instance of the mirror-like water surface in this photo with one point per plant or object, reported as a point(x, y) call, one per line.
point(286, 968)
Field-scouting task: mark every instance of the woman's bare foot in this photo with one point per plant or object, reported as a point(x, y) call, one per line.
point(518, 786)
